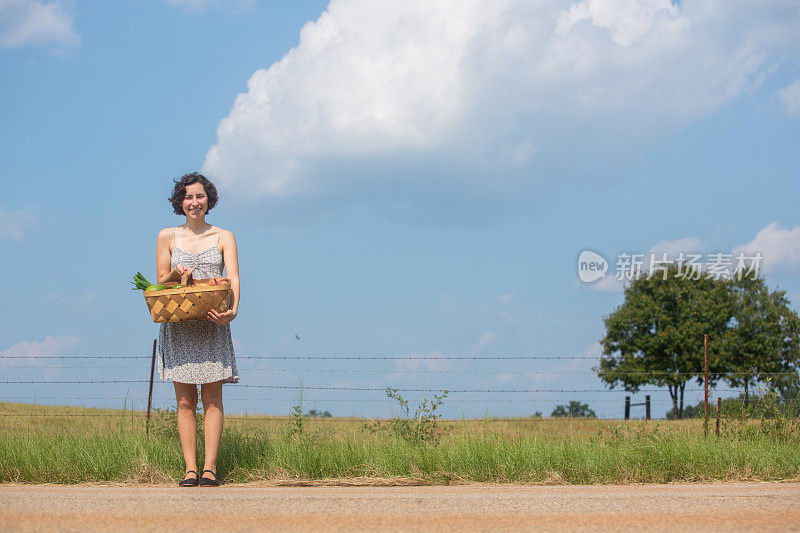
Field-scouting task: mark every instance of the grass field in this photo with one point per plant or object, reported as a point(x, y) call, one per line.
point(74, 445)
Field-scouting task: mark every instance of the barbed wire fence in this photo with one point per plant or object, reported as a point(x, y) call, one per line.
point(464, 396)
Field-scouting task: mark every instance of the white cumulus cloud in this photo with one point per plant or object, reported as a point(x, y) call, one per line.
point(594, 350)
point(608, 283)
point(673, 249)
point(485, 340)
point(27, 22)
point(505, 298)
point(433, 360)
point(452, 96)
point(33, 351)
point(779, 247)
point(447, 304)
point(790, 96)
point(14, 224)
point(627, 21)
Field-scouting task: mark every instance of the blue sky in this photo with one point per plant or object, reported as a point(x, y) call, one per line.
point(404, 179)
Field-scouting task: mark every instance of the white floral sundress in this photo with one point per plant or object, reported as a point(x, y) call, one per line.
point(197, 351)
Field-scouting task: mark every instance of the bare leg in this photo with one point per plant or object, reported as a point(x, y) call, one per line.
point(212, 406)
point(186, 396)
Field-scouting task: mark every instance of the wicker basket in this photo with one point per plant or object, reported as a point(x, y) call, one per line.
point(188, 303)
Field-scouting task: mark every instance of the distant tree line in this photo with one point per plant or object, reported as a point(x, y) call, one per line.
point(655, 337)
point(574, 409)
point(763, 405)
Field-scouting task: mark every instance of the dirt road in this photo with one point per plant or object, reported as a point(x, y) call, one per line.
point(743, 506)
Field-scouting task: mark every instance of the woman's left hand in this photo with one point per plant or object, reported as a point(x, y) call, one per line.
point(221, 318)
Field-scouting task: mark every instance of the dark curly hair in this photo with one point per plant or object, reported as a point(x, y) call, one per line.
point(179, 193)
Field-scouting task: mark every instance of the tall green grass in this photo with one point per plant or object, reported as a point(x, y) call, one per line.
point(59, 449)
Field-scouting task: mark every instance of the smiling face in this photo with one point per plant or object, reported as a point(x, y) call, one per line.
point(195, 203)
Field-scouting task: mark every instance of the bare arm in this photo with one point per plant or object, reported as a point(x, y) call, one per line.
point(164, 272)
point(231, 258)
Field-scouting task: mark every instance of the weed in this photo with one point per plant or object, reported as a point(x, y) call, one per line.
point(296, 412)
point(422, 427)
point(767, 415)
point(775, 420)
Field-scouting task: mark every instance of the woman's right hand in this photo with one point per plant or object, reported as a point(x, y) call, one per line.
point(180, 271)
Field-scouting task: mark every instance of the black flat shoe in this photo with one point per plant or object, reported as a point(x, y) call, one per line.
point(207, 481)
point(189, 482)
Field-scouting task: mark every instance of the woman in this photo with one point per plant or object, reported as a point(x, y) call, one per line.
point(198, 351)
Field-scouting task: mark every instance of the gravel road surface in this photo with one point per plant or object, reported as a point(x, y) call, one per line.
point(717, 507)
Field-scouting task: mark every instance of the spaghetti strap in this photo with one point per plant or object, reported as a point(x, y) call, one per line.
point(219, 236)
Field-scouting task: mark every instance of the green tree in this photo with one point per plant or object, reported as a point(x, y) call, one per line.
point(762, 340)
point(656, 336)
point(689, 411)
point(574, 409)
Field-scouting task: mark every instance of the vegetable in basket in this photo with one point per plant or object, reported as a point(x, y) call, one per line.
point(140, 283)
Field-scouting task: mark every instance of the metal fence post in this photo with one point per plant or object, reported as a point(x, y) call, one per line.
point(627, 407)
point(647, 407)
point(150, 394)
point(719, 408)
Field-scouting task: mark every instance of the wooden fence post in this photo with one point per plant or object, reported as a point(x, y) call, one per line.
point(627, 407)
point(647, 407)
point(705, 386)
point(150, 394)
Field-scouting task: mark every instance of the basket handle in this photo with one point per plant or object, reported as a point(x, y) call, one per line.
point(186, 279)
